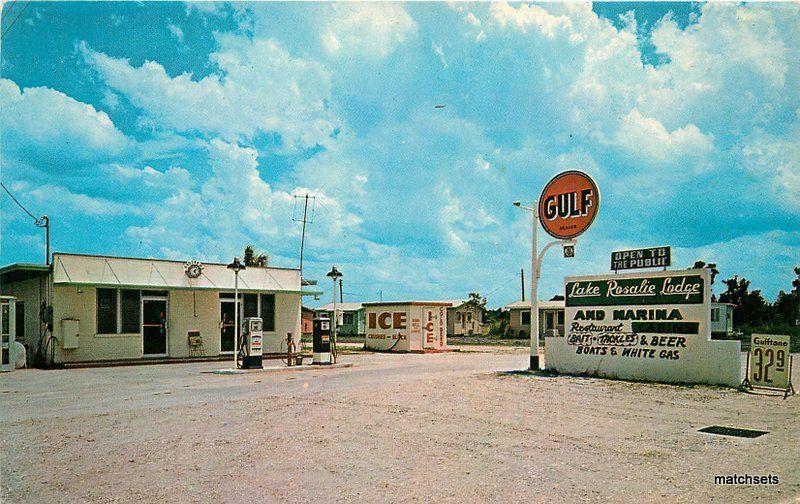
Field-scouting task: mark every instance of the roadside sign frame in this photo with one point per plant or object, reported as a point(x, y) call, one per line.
point(748, 385)
point(653, 251)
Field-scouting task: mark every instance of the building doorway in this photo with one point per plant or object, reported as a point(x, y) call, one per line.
point(227, 336)
point(154, 326)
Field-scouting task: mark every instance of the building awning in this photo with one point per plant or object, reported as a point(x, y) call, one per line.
point(543, 305)
point(19, 272)
point(408, 303)
point(341, 306)
point(157, 274)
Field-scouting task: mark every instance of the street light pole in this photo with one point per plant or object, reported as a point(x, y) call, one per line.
point(535, 289)
point(236, 266)
point(335, 275)
point(236, 318)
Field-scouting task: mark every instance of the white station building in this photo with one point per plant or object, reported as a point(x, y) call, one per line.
point(87, 308)
point(406, 326)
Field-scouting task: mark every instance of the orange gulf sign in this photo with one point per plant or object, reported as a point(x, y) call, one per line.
point(569, 204)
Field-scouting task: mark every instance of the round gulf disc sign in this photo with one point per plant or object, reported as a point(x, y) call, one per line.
point(569, 204)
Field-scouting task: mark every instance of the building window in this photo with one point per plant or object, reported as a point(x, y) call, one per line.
point(130, 305)
point(118, 311)
point(347, 318)
point(255, 305)
point(469, 317)
point(459, 317)
point(525, 317)
point(250, 305)
point(268, 312)
point(715, 315)
point(106, 311)
point(560, 318)
point(20, 314)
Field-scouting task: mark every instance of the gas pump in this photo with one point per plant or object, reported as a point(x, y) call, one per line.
point(251, 348)
point(322, 340)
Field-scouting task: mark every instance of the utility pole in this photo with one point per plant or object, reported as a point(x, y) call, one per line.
point(522, 276)
point(42, 222)
point(45, 223)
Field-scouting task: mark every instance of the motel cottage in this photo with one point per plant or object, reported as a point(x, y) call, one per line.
point(466, 318)
point(351, 317)
point(551, 318)
point(87, 308)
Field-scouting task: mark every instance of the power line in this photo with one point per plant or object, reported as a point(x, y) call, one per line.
point(15, 19)
point(42, 222)
point(501, 286)
point(36, 219)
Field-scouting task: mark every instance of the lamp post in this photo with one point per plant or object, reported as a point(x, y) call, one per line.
point(236, 266)
point(536, 264)
point(335, 275)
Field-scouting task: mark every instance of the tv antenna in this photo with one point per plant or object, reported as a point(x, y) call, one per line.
point(306, 219)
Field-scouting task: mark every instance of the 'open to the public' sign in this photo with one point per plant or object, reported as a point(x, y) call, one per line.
point(569, 204)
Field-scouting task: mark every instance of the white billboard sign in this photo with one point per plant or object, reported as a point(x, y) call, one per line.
point(643, 326)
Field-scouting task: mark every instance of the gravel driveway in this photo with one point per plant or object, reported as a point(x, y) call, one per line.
point(442, 427)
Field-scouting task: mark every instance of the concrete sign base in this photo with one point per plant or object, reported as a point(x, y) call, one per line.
point(703, 361)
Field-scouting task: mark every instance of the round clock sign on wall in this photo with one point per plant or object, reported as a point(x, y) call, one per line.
point(193, 269)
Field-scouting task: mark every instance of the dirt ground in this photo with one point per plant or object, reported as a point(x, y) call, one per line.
point(399, 428)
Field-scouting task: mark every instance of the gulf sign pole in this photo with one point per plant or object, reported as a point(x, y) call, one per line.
point(566, 208)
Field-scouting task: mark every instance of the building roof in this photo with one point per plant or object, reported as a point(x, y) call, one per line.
point(82, 269)
point(18, 272)
point(408, 303)
point(547, 305)
point(347, 306)
point(458, 303)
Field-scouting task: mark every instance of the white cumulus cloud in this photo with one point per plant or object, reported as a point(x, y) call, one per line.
point(260, 89)
point(234, 206)
point(647, 138)
point(368, 29)
point(44, 122)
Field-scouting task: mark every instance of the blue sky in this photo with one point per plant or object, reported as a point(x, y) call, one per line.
point(184, 131)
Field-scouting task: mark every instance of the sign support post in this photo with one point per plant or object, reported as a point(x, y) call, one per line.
point(536, 273)
point(569, 203)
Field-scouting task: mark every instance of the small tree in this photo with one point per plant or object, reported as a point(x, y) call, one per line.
point(476, 299)
point(711, 266)
point(786, 308)
point(751, 308)
point(253, 258)
point(249, 256)
point(796, 281)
